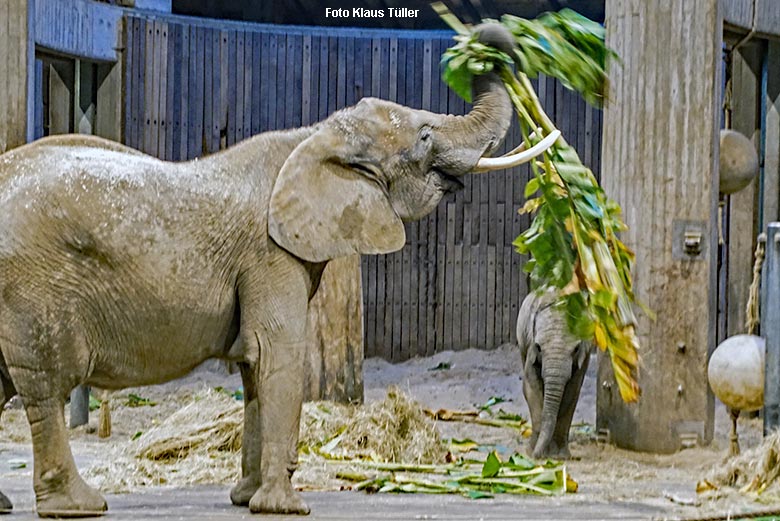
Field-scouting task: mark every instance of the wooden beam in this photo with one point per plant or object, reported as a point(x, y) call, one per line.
point(743, 205)
point(738, 17)
point(83, 99)
point(737, 14)
point(14, 71)
point(108, 117)
point(334, 350)
point(660, 163)
point(60, 98)
point(771, 136)
point(768, 18)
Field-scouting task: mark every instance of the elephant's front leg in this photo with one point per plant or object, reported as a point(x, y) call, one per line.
point(274, 303)
point(250, 447)
point(280, 391)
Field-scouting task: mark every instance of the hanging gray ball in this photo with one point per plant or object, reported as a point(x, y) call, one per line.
point(738, 161)
point(736, 372)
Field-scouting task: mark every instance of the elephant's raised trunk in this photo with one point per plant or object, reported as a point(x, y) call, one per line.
point(556, 372)
point(463, 140)
point(467, 139)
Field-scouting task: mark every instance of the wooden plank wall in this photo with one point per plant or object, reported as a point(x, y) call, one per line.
point(78, 28)
point(194, 89)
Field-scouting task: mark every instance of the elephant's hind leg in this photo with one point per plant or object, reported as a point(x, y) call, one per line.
point(43, 381)
point(59, 489)
point(7, 391)
point(249, 483)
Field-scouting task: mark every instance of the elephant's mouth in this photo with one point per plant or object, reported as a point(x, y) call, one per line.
point(448, 183)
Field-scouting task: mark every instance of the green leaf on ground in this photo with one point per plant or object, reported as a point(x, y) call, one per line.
point(492, 465)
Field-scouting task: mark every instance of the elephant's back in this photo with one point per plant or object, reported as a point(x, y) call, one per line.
point(65, 196)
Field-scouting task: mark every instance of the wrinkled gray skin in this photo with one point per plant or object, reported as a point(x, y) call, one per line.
point(117, 269)
point(554, 365)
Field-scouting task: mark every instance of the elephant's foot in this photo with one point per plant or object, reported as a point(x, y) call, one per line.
point(76, 499)
point(277, 497)
point(553, 451)
point(242, 493)
point(5, 504)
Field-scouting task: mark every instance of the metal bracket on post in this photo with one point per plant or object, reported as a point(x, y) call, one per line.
point(79, 406)
point(770, 328)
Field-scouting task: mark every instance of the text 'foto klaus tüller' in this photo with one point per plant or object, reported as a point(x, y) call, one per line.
point(360, 12)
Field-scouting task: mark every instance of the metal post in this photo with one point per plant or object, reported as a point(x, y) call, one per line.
point(79, 406)
point(770, 328)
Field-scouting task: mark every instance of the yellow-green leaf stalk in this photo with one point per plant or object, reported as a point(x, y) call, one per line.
point(573, 239)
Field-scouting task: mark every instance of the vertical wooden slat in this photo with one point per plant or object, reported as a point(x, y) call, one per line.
point(132, 61)
point(172, 88)
point(449, 285)
point(306, 77)
point(297, 80)
point(463, 284)
point(149, 81)
point(267, 72)
point(771, 102)
point(287, 93)
point(161, 86)
point(392, 94)
point(5, 74)
point(333, 76)
point(349, 72)
point(490, 302)
point(249, 66)
point(225, 50)
point(743, 212)
point(324, 75)
point(502, 335)
point(236, 94)
point(211, 67)
point(482, 296)
point(257, 57)
point(341, 73)
point(184, 101)
point(376, 63)
point(198, 85)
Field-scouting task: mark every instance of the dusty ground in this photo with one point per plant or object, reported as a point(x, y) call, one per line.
point(613, 483)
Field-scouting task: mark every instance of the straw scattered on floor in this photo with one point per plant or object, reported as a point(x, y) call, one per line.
point(201, 442)
point(754, 473)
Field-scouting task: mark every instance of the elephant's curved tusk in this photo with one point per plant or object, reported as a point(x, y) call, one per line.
point(487, 164)
point(521, 146)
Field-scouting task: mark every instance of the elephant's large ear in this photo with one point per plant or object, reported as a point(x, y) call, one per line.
point(324, 206)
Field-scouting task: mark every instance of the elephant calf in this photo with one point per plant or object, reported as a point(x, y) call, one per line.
point(554, 365)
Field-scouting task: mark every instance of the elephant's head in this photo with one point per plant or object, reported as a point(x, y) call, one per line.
point(349, 186)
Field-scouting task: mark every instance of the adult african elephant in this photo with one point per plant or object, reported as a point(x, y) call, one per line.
point(117, 269)
point(554, 366)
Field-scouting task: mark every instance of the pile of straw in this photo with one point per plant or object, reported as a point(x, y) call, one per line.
point(393, 430)
point(754, 472)
point(201, 442)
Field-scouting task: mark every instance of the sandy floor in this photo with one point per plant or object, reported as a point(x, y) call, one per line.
point(605, 474)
